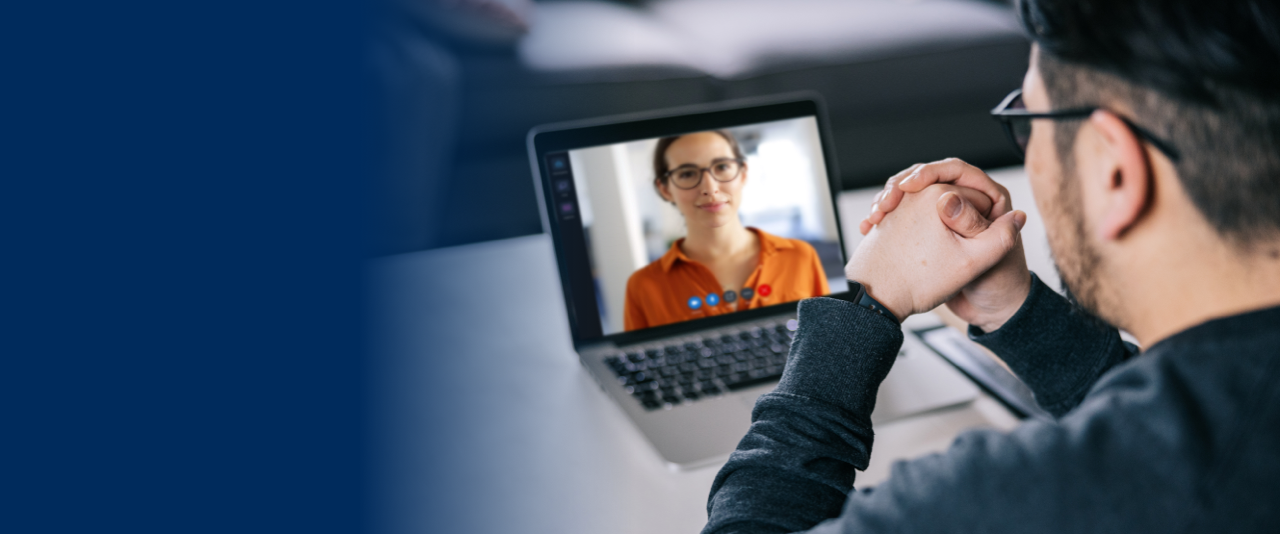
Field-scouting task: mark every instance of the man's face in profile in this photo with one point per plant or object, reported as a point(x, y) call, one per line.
point(1057, 192)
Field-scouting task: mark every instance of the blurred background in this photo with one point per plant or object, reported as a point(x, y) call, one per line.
point(465, 80)
point(628, 225)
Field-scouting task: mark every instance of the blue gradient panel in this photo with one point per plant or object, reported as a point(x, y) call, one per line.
point(183, 202)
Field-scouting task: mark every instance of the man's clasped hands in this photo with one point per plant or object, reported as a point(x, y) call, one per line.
point(944, 232)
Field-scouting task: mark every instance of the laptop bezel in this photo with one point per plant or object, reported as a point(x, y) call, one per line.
point(562, 137)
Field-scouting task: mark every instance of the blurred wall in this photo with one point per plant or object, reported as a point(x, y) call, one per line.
point(613, 223)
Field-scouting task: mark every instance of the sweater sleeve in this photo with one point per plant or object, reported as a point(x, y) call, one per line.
point(795, 466)
point(1057, 351)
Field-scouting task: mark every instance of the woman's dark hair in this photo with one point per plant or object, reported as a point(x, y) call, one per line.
point(660, 167)
point(1203, 75)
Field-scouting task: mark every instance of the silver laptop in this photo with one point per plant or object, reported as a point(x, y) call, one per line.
point(682, 354)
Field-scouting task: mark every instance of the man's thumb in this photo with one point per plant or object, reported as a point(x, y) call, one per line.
point(960, 215)
point(1002, 235)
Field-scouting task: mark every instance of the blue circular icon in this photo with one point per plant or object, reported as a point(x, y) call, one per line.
point(730, 296)
point(712, 299)
point(747, 293)
point(695, 303)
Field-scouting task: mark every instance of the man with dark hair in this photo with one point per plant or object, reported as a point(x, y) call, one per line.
point(1151, 130)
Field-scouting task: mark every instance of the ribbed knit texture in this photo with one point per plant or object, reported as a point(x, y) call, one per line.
point(1057, 354)
point(807, 437)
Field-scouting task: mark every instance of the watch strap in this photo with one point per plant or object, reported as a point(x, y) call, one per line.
point(858, 295)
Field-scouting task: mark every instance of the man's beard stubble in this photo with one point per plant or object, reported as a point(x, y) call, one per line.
point(1075, 259)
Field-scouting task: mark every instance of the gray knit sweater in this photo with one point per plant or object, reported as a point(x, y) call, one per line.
point(1183, 438)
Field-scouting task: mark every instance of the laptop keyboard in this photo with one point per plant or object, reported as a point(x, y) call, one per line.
point(662, 377)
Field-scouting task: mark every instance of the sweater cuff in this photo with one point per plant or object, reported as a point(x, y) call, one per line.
point(1026, 313)
point(840, 355)
point(1053, 349)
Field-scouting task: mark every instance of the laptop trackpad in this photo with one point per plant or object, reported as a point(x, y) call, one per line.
point(749, 396)
point(920, 381)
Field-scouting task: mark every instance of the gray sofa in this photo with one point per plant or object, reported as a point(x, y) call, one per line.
point(904, 81)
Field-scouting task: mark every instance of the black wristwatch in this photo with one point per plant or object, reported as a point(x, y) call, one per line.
point(858, 295)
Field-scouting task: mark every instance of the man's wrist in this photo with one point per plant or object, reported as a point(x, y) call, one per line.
point(992, 321)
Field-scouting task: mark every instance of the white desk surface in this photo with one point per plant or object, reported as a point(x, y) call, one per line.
point(486, 422)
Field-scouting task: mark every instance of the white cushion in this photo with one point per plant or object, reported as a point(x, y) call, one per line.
point(581, 35)
point(733, 39)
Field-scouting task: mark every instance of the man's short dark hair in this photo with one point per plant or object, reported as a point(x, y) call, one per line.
point(1204, 76)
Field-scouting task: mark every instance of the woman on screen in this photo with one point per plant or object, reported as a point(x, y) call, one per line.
point(720, 266)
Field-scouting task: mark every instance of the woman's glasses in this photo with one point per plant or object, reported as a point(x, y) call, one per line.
point(690, 176)
point(1013, 115)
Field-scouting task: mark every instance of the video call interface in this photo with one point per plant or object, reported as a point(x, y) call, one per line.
point(650, 211)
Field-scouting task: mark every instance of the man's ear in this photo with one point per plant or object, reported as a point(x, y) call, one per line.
point(1127, 193)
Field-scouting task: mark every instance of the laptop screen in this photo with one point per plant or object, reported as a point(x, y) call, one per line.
point(690, 225)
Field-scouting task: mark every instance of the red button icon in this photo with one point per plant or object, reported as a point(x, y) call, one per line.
point(764, 290)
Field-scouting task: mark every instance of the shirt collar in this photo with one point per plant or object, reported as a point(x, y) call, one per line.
point(769, 245)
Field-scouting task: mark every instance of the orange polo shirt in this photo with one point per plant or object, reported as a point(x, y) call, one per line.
point(664, 291)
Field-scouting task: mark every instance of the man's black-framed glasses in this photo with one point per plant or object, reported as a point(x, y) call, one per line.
point(1013, 115)
point(690, 176)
